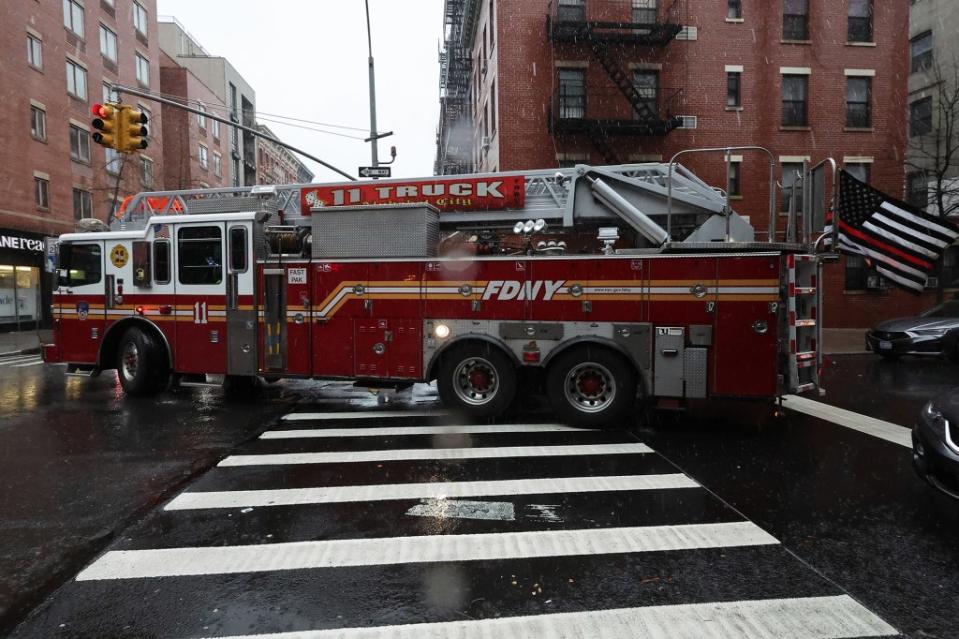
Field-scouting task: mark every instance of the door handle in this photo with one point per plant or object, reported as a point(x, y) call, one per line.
point(670, 352)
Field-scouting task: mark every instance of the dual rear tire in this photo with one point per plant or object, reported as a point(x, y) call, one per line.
point(588, 386)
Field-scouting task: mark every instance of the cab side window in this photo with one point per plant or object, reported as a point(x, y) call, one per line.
point(237, 249)
point(80, 264)
point(161, 261)
point(200, 255)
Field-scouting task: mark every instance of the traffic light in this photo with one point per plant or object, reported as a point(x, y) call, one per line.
point(105, 122)
point(132, 132)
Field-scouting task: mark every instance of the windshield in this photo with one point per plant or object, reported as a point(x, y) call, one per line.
point(948, 309)
point(80, 264)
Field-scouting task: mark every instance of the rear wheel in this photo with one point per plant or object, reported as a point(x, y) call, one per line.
point(477, 379)
point(591, 386)
point(141, 366)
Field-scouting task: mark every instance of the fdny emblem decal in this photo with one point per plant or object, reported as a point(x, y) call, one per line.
point(505, 290)
point(119, 256)
point(83, 310)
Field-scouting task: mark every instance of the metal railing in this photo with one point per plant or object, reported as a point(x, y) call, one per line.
point(579, 104)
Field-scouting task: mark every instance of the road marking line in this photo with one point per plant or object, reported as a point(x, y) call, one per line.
point(420, 430)
point(39, 361)
point(301, 555)
point(433, 453)
point(800, 618)
point(366, 414)
point(17, 360)
point(456, 509)
point(431, 490)
point(862, 423)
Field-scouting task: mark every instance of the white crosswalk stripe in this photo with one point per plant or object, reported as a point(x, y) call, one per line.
point(437, 527)
point(23, 360)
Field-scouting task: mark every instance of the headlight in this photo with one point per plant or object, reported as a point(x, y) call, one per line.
point(934, 416)
point(441, 331)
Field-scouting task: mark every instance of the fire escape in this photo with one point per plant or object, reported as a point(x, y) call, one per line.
point(454, 134)
point(599, 113)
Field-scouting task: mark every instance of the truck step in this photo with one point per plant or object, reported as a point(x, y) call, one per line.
point(82, 370)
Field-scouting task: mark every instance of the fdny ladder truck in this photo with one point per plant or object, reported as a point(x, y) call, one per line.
point(609, 285)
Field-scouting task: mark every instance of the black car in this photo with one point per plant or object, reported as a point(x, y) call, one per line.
point(934, 332)
point(935, 444)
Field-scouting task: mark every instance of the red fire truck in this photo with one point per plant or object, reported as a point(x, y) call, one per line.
point(608, 285)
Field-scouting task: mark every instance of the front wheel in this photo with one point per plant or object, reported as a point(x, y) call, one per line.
point(477, 379)
point(591, 386)
point(140, 364)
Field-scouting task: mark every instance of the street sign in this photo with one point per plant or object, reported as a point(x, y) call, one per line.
point(375, 171)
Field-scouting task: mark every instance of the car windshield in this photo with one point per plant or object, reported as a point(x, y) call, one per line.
point(948, 309)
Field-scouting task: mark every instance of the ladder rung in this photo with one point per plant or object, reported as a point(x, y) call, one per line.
point(805, 290)
point(805, 323)
point(802, 388)
point(806, 355)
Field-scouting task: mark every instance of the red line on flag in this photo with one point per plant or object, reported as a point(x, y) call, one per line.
point(883, 246)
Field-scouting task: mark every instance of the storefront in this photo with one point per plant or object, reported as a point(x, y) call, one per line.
point(25, 283)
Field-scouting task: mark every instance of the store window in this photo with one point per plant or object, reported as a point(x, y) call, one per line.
point(19, 295)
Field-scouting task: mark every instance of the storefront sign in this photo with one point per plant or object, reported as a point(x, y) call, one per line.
point(21, 243)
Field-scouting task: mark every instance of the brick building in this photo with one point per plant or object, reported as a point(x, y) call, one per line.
point(59, 59)
point(196, 147)
point(235, 98)
point(531, 84)
point(278, 165)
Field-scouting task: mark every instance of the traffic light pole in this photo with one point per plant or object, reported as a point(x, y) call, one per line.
point(173, 103)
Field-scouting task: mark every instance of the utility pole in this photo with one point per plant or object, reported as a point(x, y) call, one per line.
point(374, 136)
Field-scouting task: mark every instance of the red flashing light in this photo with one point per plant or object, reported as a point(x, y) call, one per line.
point(139, 310)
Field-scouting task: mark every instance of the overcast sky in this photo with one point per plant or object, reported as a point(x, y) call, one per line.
point(308, 59)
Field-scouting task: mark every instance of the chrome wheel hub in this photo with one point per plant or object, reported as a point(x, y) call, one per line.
point(590, 387)
point(475, 381)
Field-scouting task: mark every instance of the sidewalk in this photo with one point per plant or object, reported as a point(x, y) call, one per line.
point(24, 341)
point(842, 341)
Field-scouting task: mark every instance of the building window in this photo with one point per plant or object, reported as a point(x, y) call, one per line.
point(856, 273)
point(140, 21)
point(734, 89)
point(572, 94)
point(201, 116)
point(38, 123)
point(920, 117)
point(860, 21)
point(734, 9)
point(795, 94)
point(795, 19)
point(645, 12)
point(73, 16)
point(858, 95)
point(859, 170)
point(34, 52)
point(108, 44)
point(41, 192)
point(917, 189)
point(571, 10)
point(216, 129)
point(791, 175)
point(143, 70)
point(82, 204)
point(735, 181)
point(146, 171)
point(646, 84)
point(217, 164)
point(76, 80)
point(920, 48)
point(200, 255)
point(113, 161)
point(204, 159)
point(79, 144)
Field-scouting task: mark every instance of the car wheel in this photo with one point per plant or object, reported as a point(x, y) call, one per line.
point(140, 364)
point(477, 379)
point(591, 386)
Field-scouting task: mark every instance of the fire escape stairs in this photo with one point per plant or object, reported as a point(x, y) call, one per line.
point(601, 142)
point(623, 82)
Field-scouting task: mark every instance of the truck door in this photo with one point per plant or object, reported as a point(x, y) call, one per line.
point(340, 298)
point(389, 342)
point(201, 287)
point(240, 313)
point(82, 293)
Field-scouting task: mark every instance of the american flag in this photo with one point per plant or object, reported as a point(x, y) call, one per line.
point(900, 241)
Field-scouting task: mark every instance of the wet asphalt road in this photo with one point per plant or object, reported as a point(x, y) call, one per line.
point(831, 516)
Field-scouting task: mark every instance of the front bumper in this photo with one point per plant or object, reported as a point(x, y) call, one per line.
point(903, 343)
point(935, 459)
